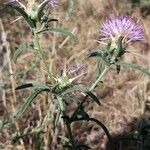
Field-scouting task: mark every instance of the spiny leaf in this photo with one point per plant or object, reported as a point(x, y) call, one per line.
point(77, 88)
point(59, 30)
point(134, 66)
point(30, 99)
point(22, 48)
point(23, 13)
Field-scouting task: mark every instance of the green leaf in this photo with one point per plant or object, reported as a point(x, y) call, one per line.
point(120, 49)
point(72, 89)
point(101, 55)
point(30, 99)
point(134, 66)
point(23, 14)
point(85, 91)
point(93, 97)
point(99, 68)
point(34, 85)
point(23, 86)
point(22, 48)
point(58, 30)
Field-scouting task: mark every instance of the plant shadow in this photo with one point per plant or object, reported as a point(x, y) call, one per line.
point(137, 139)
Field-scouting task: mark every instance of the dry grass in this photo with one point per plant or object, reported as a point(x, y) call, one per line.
point(124, 97)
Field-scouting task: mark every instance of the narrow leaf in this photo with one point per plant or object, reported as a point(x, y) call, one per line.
point(22, 48)
point(103, 127)
point(27, 103)
point(23, 86)
point(134, 66)
point(58, 30)
point(93, 97)
point(77, 88)
point(51, 20)
point(23, 14)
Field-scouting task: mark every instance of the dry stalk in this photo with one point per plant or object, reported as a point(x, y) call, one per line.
point(12, 80)
point(74, 31)
point(2, 64)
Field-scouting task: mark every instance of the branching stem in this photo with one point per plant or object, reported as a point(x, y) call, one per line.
point(40, 52)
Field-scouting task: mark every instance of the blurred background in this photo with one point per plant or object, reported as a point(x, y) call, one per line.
point(125, 96)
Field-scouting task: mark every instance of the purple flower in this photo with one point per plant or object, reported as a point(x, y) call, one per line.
point(117, 26)
point(53, 3)
point(76, 69)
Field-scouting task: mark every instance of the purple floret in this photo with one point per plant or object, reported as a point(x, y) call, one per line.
point(117, 26)
point(10, 1)
point(76, 69)
point(53, 3)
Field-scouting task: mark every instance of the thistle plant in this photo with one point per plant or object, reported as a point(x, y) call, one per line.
point(116, 32)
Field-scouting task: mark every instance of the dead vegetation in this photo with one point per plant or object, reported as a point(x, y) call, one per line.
point(125, 97)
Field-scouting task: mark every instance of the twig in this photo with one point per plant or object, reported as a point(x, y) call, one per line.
point(67, 38)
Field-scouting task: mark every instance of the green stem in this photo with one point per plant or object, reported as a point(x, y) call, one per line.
point(71, 136)
point(40, 52)
point(68, 125)
point(60, 103)
point(92, 87)
point(99, 78)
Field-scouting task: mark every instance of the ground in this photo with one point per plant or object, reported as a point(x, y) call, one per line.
point(125, 97)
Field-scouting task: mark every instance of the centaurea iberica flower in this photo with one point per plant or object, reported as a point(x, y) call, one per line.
point(121, 26)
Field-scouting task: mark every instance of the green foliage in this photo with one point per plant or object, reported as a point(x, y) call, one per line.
point(58, 30)
point(120, 50)
point(30, 99)
point(82, 90)
point(62, 89)
point(133, 66)
point(102, 55)
point(22, 48)
point(23, 14)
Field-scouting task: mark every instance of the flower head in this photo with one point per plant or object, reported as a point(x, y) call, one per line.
point(125, 26)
